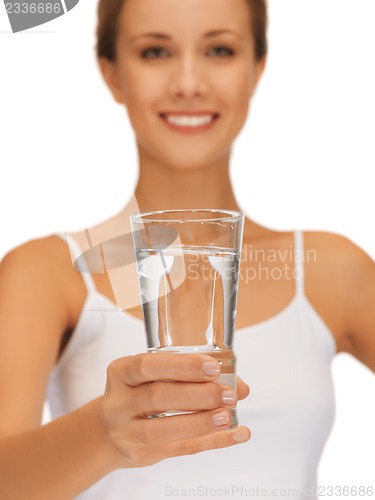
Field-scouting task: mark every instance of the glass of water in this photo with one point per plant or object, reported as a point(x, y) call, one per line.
point(188, 267)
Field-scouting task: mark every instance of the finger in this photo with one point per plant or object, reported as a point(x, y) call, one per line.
point(221, 439)
point(155, 397)
point(160, 431)
point(142, 368)
point(243, 390)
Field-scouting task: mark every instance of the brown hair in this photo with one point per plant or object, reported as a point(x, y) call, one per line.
point(109, 13)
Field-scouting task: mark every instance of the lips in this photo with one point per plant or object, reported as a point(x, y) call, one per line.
point(189, 121)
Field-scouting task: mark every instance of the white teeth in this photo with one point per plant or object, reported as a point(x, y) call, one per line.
point(190, 121)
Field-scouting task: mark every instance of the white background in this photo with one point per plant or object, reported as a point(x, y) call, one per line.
point(304, 159)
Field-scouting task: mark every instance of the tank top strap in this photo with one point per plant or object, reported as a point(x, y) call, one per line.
point(299, 260)
point(75, 252)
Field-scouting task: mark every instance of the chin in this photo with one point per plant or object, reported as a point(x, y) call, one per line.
point(183, 159)
point(191, 162)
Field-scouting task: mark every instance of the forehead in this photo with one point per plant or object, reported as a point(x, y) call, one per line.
point(184, 18)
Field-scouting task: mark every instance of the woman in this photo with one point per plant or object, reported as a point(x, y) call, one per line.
point(201, 64)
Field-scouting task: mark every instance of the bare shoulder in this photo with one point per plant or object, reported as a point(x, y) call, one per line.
point(340, 277)
point(37, 247)
point(338, 256)
point(41, 270)
point(43, 266)
point(43, 259)
point(333, 241)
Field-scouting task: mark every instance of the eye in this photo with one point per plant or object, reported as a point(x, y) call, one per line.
point(223, 51)
point(153, 53)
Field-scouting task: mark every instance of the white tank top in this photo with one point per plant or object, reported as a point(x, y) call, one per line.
point(285, 359)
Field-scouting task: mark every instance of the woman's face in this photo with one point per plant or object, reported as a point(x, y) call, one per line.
point(185, 71)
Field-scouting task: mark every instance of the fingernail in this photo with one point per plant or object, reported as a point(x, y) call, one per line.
point(211, 368)
point(220, 418)
point(229, 398)
point(241, 436)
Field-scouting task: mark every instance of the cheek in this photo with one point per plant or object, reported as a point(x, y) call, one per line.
point(236, 87)
point(235, 90)
point(138, 85)
point(143, 96)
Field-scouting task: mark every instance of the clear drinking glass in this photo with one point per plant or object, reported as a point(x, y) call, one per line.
point(188, 267)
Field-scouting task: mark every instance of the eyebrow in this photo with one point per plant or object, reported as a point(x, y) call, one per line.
point(162, 36)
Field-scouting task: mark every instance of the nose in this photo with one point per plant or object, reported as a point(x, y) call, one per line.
point(188, 79)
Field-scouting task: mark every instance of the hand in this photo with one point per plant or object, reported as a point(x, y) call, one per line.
point(148, 384)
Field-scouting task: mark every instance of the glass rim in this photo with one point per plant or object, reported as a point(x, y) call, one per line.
point(233, 215)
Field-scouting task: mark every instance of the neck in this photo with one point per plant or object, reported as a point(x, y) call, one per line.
point(163, 188)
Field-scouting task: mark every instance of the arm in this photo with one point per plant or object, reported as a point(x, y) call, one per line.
point(360, 303)
point(33, 314)
point(58, 460)
point(66, 456)
point(340, 281)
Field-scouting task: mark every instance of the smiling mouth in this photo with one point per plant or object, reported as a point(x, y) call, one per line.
point(201, 121)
